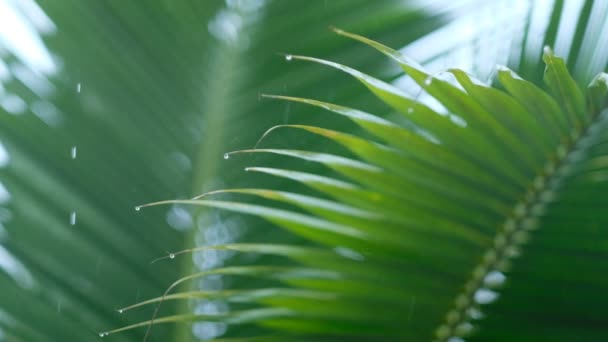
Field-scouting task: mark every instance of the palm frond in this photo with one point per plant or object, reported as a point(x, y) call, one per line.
point(122, 104)
point(439, 215)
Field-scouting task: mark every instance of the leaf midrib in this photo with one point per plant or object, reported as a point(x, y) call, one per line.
point(514, 230)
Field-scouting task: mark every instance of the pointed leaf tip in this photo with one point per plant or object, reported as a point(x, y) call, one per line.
point(336, 30)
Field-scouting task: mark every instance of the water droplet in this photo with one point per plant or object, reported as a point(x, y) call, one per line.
point(73, 152)
point(73, 218)
point(288, 57)
point(464, 329)
point(475, 313)
point(78, 87)
point(171, 256)
point(102, 334)
point(226, 156)
point(410, 110)
point(120, 311)
point(428, 81)
point(494, 279)
point(138, 208)
point(485, 296)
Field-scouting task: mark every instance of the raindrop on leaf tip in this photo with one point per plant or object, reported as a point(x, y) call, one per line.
point(138, 208)
point(288, 57)
point(226, 156)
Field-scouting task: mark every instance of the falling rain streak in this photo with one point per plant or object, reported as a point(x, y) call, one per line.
point(73, 152)
point(73, 218)
point(78, 87)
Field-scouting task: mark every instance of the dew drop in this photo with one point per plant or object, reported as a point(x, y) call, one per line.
point(73, 152)
point(288, 57)
point(455, 339)
point(226, 156)
point(138, 208)
point(485, 296)
point(120, 311)
point(494, 279)
point(475, 313)
point(171, 256)
point(103, 334)
point(428, 81)
point(78, 87)
point(464, 329)
point(73, 218)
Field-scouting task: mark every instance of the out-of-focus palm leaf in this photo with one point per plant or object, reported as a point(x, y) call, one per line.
point(121, 103)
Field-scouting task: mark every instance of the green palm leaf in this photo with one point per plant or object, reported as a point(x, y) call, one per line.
point(127, 103)
point(386, 215)
point(445, 215)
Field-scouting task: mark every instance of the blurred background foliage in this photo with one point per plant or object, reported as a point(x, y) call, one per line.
point(105, 105)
